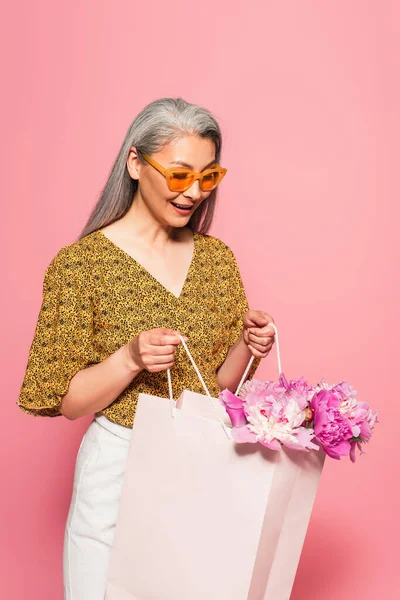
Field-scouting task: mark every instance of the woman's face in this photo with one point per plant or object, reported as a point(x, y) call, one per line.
point(189, 151)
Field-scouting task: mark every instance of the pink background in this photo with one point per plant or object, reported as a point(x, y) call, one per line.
point(307, 95)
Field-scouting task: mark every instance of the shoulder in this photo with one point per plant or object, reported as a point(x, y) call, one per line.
point(223, 263)
point(73, 260)
point(215, 244)
point(219, 252)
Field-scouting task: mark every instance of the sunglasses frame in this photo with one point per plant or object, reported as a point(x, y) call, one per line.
point(168, 172)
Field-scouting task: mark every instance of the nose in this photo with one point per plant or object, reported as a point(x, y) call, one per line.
point(194, 191)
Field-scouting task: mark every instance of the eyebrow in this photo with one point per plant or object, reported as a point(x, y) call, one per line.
point(184, 164)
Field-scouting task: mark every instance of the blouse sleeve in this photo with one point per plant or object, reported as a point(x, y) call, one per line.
point(238, 307)
point(62, 342)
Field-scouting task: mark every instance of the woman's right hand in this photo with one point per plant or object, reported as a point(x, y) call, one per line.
point(154, 350)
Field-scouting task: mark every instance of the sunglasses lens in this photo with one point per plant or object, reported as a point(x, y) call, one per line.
point(210, 180)
point(180, 180)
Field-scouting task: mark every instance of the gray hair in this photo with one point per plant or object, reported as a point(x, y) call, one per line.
point(159, 123)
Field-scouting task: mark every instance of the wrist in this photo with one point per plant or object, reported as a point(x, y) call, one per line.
point(240, 344)
point(242, 341)
point(128, 360)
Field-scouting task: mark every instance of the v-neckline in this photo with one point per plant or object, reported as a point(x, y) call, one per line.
point(141, 267)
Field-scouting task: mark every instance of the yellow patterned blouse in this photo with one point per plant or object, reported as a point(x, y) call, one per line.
point(96, 297)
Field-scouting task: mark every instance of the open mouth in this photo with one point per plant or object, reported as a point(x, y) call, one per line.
point(182, 207)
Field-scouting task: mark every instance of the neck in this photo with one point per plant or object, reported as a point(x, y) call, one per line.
point(141, 223)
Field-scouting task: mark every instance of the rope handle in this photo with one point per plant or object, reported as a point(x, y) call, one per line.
point(278, 356)
point(212, 400)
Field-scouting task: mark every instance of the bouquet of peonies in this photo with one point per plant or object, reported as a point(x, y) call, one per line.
point(294, 414)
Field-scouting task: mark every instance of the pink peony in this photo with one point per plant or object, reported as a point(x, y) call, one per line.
point(297, 389)
point(332, 429)
point(277, 420)
point(293, 414)
point(358, 414)
point(271, 413)
point(363, 421)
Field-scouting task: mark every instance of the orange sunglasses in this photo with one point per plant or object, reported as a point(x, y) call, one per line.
point(180, 179)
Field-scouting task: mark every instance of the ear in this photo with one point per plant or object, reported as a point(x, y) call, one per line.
point(133, 164)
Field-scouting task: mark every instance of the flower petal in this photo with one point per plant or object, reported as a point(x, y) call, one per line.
point(341, 449)
point(304, 436)
point(243, 435)
point(272, 445)
point(227, 398)
point(237, 416)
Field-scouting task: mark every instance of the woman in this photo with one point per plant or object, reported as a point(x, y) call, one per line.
point(143, 272)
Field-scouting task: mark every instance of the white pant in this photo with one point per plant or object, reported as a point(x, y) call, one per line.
point(90, 527)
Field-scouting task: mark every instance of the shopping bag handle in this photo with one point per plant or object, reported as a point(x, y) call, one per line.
point(278, 356)
point(214, 405)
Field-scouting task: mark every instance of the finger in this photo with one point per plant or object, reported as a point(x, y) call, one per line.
point(261, 347)
point(259, 318)
point(266, 331)
point(180, 334)
point(158, 350)
point(164, 339)
point(161, 359)
point(166, 331)
point(185, 337)
point(261, 340)
point(160, 367)
point(258, 353)
point(266, 328)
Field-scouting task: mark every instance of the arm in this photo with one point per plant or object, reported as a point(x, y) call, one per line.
point(96, 387)
point(248, 334)
point(64, 374)
point(255, 339)
point(232, 369)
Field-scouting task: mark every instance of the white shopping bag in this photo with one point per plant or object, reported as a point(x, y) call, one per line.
point(203, 518)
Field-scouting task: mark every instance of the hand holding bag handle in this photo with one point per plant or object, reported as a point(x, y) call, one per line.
point(212, 400)
point(278, 355)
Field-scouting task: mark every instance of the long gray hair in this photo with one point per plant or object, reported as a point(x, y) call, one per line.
point(159, 123)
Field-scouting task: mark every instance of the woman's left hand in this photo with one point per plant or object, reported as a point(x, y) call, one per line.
point(257, 334)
